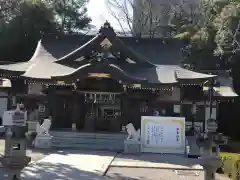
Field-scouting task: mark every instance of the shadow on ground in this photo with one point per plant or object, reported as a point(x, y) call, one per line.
point(46, 171)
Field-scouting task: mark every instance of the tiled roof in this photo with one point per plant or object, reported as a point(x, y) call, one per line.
point(156, 60)
point(225, 88)
point(40, 66)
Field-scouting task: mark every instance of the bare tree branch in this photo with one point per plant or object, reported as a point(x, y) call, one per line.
point(146, 17)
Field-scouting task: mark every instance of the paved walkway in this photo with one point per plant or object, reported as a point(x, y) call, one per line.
point(92, 165)
point(156, 174)
point(70, 165)
point(161, 161)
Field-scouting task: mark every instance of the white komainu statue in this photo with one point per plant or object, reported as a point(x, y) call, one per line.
point(132, 133)
point(44, 128)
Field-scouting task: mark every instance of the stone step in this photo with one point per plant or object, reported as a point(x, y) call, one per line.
point(88, 141)
point(91, 141)
point(88, 138)
point(89, 147)
point(92, 145)
point(83, 145)
point(88, 135)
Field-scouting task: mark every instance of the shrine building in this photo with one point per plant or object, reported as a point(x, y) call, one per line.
point(102, 82)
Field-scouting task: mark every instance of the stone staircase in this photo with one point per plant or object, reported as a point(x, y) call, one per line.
point(90, 141)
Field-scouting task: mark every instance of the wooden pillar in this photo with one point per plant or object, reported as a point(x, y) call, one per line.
point(194, 112)
point(73, 110)
point(52, 107)
point(76, 112)
point(124, 109)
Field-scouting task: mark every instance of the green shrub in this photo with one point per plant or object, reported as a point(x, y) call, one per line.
point(230, 165)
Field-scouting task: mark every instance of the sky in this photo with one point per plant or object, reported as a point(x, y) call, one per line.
point(98, 11)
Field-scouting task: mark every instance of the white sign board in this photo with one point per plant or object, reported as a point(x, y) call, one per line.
point(163, 134)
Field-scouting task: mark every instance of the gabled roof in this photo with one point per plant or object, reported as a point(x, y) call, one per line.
point(161, 51)
point(40, 66)
point(46, 64)
point(106, 41)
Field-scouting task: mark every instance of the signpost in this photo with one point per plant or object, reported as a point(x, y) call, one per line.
point(163, 134)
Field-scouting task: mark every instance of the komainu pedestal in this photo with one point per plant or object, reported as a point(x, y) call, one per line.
point(43, 139)
point(132, 145)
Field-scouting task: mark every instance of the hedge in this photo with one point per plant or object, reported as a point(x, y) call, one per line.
point(230, 165)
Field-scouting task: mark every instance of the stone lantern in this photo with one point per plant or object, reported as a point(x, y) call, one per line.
point(16, 136)
point(209, 140)
point(210, 161)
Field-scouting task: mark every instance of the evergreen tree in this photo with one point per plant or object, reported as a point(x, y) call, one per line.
point(213, 38)
point(23, 23)
point(71, 15)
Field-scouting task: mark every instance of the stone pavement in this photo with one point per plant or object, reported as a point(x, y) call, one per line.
point(156, 174)
point(98, 165)
point(72, 165)
point(163, 161)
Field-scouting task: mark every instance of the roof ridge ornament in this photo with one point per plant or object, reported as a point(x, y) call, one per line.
point(106, 28)
point(106, 25)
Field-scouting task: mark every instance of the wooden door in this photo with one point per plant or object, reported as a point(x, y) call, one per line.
point(63, 113)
